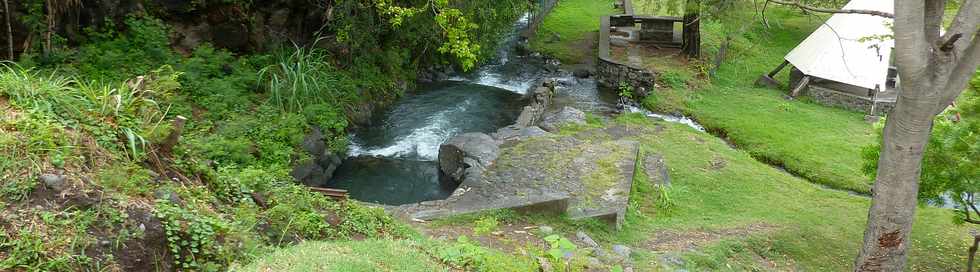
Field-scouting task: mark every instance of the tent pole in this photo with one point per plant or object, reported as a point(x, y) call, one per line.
point(778, 68)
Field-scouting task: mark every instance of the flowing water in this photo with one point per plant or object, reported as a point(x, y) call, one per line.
point(393, 161)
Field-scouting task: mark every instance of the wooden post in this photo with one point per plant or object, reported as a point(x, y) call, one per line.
point(973, 253)
point(799, 87)
point(721, 56)
point(10, 32)
point(874, 100)
point(168, 144)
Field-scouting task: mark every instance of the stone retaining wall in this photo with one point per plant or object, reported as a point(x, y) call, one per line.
point(848, 101)
point(611, 73)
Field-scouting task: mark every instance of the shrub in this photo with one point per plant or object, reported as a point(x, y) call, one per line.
point(191, 236)
point(468, 255)
point(486, 224)
point(302, 77)
point(115, 56)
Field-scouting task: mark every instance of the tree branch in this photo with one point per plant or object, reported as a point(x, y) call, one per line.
point(974, 209)
point(827, 10)
point(966, 211)
point(966, 66)
point(964, 23)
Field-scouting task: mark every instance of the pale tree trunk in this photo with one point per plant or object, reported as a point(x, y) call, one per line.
point(934, 70)
point(906, 134)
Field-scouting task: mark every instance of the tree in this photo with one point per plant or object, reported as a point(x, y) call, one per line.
point(691, 42)
point(934, 69)
point(950, 170)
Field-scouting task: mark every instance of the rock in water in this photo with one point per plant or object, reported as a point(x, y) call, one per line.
point(53, 182)
point(567, 115)
point(467, 155)
point(582, 73)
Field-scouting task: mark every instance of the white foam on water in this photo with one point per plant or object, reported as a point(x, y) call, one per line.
point(667, 117)
point(494, 80)
point(423, 143)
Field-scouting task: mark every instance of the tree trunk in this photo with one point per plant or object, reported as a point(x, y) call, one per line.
point(691, 44)
point(10, 32)
point(894, 196)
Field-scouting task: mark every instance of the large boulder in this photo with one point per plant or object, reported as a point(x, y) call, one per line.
point(467, 155)
point(323, 163)
point(567, 115)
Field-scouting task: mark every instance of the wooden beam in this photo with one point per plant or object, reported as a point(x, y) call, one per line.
point(799, 87)
point(338, 194)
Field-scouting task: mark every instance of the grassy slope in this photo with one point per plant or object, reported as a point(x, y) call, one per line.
point(820, 143)
point(573, 21)
point(348, 256)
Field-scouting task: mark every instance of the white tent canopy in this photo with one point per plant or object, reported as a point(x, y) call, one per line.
point(849, 48)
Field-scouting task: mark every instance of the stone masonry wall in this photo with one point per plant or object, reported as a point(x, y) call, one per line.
point(610, 74)
point(847, 101)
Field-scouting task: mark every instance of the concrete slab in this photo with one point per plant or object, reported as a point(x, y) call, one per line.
point(586, 175)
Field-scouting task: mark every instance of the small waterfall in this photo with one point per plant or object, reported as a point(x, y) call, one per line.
point(680, 119)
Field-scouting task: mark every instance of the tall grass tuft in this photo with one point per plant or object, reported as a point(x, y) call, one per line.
point(302, 77)
point(111, 112)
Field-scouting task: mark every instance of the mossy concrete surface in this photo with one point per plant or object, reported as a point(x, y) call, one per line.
point(587, 174)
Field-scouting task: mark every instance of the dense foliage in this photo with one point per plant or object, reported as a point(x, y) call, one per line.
point(950, 169)
point(97, 112)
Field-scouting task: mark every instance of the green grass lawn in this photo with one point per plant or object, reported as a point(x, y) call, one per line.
point(348, 256)
point(574, 22)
